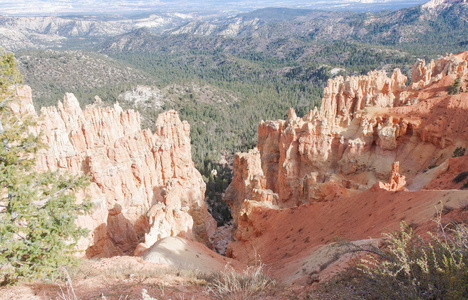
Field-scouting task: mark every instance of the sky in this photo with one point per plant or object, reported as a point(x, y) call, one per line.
point(57, 7)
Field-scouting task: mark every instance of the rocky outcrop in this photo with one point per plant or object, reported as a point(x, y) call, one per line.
point(366, 127)
point(344, 97)
point(424, 74)
point(396, 181)
point(144, 186)
point(248, 182)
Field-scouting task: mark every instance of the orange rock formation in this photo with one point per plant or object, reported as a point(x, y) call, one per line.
point(308, 180)
point(144, 186)
point(396, 181)
point(309, 176)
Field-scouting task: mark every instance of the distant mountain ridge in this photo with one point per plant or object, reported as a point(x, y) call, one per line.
point(17, 33)
point(391, 27)
point(268, 22)
point(275, 14)
point(444, 29)
point(405, 23)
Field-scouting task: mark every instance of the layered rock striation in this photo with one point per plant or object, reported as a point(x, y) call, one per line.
point(144, 186)
point(364, 126)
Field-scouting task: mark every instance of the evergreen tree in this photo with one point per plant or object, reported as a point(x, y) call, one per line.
point(38, 210)
point(455, 88)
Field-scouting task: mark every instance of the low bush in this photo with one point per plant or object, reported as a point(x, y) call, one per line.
point(460, 177)
point(459, 151)
point(409, 268)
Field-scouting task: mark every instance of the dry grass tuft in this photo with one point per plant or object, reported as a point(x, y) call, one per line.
point(136, 271)
point(252, 283)
point(67, 293)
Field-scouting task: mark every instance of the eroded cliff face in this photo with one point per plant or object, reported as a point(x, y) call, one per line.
point(144, 186)
point(364, 126)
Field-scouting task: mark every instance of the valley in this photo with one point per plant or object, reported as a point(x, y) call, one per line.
point(286, 139)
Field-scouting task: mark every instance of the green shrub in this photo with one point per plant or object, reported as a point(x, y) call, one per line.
point(410, 268)
point(459, 151)
point(460, 177)
point(456, 87)
point(37, 210)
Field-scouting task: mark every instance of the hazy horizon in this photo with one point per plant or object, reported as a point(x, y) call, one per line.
point(63, 7)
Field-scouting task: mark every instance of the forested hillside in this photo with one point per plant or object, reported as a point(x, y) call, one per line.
point(419, 30)
point(422, 29)
point(267, 76)
point(53, 73)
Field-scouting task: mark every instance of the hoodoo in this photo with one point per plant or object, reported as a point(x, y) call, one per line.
point(371, 157)
point(309, 179)
point(144, 186)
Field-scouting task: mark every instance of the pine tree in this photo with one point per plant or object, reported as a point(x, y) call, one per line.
point(38, 210)
point(455, 88)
